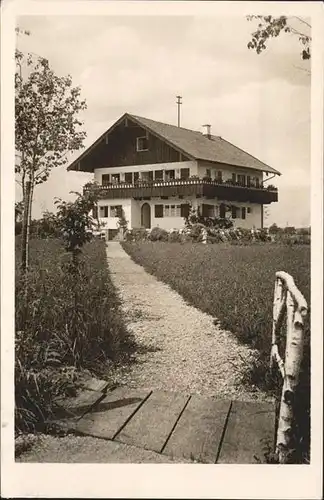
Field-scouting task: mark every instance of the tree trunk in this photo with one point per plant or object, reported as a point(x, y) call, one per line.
point(26, 228)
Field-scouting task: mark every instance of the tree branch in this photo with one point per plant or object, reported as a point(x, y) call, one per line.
point(302, 21)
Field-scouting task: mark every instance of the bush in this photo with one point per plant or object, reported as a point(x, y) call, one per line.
point(158, 234)
point(175, 236)
point(196, 232)
point(63, 324)
point(139, 234)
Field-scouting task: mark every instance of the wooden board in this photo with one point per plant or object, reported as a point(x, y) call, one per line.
point(198, 433)
point(112, 413)
point(153, 423)
point(78, 405)
point(249, 431)
point(95, 384)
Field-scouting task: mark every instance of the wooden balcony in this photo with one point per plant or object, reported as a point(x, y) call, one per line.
point(189, 187)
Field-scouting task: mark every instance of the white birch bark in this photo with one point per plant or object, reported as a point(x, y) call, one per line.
point(296, 306)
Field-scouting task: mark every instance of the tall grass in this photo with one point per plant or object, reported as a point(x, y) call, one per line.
point(235, 284)
point(64, 323)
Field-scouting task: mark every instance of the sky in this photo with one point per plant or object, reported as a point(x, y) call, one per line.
point(139, 64)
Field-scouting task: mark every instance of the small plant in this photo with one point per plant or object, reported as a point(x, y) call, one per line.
point(158, 234)
point(122, 223)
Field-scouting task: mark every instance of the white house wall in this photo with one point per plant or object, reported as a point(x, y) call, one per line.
point(192, 165)
point(227, 171)
point(132, 210)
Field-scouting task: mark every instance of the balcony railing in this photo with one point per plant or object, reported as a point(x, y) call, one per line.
point(228, 190)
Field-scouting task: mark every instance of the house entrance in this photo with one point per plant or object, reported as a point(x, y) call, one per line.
point(146, 216)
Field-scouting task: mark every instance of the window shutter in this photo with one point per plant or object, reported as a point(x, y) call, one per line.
point(233, 212)
point(158, 211)
point(185, 210)
point(243, 212)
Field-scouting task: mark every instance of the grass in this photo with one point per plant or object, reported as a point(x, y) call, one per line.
point(64, 324)
point(235, 285)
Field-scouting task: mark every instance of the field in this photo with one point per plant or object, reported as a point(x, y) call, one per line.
point(235, 285)
point(64, 324)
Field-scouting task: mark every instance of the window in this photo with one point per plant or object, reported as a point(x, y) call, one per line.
point(208, 210)
point(234, 177)
point(164, 197)
point(158, 175)
point(219, 176)
point(243, 213)
point(158, 211)
point(115, 178)
point(129, 177)
point(184, 173)
point(136, 177)
point(105, 179)
point(208, 172)
point(241, 179)
point(104, 211)
point(234, 212)
point(249, 210)
point(257, 182)
point(141, 144)
point(115, 211)
point(248, 180)
point(172, 211)
point(169, 175)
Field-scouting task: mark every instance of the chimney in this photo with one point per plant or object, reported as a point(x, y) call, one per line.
point(207, 134)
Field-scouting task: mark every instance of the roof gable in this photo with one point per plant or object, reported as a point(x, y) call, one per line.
point(191, 143)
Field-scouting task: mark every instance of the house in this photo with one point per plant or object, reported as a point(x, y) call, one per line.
point(155, 171)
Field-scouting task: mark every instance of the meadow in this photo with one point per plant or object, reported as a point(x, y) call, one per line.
point(235, 285)
point(65, 324)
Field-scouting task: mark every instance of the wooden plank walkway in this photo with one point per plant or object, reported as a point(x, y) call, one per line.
point(181, 426)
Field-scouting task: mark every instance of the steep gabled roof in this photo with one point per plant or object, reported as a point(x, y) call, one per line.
point(194, 144)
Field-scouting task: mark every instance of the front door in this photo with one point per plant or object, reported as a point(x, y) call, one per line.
point(146, 216)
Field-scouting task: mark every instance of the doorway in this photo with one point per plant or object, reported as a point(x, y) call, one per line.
point(146, 216)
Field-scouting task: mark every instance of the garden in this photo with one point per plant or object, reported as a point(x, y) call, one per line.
point(234, 283)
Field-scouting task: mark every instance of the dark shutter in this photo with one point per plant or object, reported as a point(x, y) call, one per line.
point(222, 211)
point(185, 209)
point(158, 211)
point(243, 212)
point(233, 212)
point(105, 179)
point(129, 177)
point(234, 177)
point(248, 180)
point(136, 176)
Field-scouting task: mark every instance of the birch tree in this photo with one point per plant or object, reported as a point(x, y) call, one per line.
point(47, 127)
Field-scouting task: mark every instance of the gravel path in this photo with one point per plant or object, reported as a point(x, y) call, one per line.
point(186, 351)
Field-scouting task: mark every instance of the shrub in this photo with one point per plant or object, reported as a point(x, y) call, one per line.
point(196, 232)
point(175, 236)
point(63, 325)
point(139, 234)
point(158, 234)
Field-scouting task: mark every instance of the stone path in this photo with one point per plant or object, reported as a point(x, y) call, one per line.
point(186, 351)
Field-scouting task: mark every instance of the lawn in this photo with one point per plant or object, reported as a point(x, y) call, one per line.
point(234, 284)
point(64, 325)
